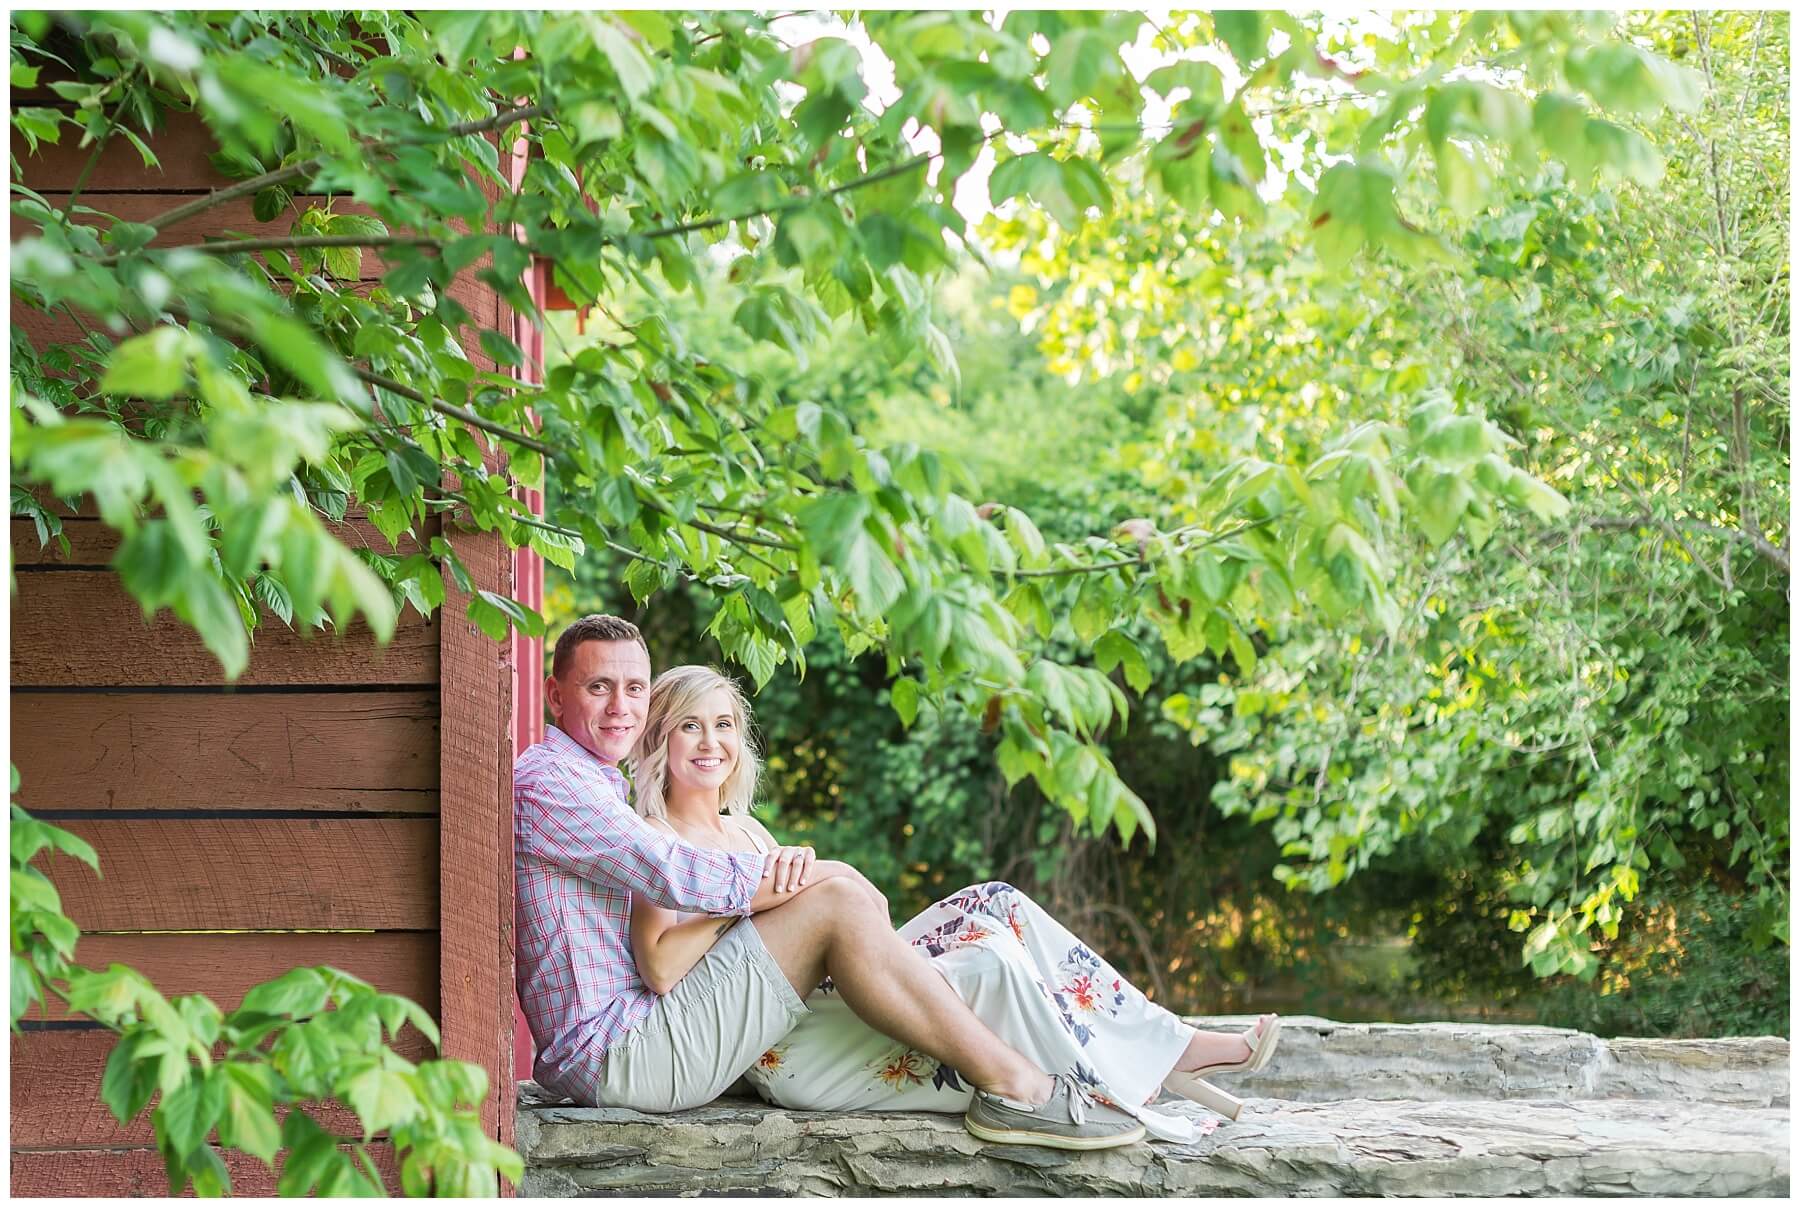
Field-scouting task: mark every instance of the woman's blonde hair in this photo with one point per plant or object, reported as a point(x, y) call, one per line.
point(673, 698)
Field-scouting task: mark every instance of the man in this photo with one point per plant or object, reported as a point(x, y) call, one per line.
point(604, 1038)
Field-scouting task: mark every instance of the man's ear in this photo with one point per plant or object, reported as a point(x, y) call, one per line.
point(553, 696)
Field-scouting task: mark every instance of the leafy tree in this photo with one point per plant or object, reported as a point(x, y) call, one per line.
point(1543, 684)
point(227, 398)
point(280, 389)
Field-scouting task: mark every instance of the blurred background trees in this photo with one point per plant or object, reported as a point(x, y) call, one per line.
point(1351, 448)
point(1557, 791)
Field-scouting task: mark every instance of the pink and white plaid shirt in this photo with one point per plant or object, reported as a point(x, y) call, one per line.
point(579, 853)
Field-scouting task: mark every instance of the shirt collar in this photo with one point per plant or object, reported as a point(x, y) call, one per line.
point(567, 748)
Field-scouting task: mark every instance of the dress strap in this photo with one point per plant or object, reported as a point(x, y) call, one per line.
point(750, 834)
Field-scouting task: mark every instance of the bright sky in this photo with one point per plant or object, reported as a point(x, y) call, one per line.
point(971, 200)
point(971, 197)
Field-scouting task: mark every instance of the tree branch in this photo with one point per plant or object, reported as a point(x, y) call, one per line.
point(707, 224)
point(740, 538)
point(281, 176)
point(228, 247)
point(1772, 552)
point(452, 411)
point(1120, 564)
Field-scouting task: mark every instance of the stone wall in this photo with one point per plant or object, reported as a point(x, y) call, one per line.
point(1320, 1061)
point(1343, 1109)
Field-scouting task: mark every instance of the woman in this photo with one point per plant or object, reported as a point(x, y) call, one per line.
point(1036, 985)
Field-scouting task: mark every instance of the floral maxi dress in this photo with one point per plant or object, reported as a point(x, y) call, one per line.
point(1031, 981)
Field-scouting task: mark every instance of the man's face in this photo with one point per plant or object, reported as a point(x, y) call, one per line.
point(601, 697)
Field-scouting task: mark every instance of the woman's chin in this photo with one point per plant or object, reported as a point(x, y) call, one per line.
point(701, 784)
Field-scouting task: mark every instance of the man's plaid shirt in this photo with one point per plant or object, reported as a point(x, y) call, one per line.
point(579, 853)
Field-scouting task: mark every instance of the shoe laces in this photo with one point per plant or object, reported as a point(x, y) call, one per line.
point(1079, 1098)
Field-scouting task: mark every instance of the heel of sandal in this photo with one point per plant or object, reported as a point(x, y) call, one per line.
point(1204, 1093)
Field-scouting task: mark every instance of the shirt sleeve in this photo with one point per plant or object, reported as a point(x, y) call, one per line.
point(582, 826)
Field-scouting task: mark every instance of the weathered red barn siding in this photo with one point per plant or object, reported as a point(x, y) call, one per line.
point(339, 804)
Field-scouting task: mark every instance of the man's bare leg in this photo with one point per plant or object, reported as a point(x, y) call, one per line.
point(834, 928)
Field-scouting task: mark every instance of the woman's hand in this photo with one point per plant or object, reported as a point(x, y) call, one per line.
point(791, 867)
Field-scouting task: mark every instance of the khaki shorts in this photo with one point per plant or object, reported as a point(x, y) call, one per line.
point(701, 1036)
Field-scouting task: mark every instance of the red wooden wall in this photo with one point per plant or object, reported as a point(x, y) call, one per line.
point(339, 804)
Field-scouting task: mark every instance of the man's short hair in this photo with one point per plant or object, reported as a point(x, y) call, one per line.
point(595, 627)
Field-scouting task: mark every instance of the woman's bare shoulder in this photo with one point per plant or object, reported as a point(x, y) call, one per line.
point(755, 826)
point(662, 824)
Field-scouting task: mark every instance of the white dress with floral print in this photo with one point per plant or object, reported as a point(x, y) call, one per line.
point(1029, 979)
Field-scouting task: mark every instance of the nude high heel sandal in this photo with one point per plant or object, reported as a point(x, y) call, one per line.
point(1192, 1084)
point(1204, 1093)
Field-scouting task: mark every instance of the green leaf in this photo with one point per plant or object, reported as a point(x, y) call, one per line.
point(381, 1099)
point(1624, 79)
point(1355, 207)
point(905, 698)
point(27, 987)
point(127, 1082)
point(151, 366)
point(297, 994)
point(633, 70)
point(248, 1119)
point(1204, 82)
point(503, 350)
point(313, 1158)
point(109, 995)
point(307, 1054)
point(1457, 441)
point(1093, 611)
point(1242, 31)
point(1242, 651)
point(1080, 62)
point(1016, 762)
point(1115, 648)
point(187, 1114)
point(458, 32)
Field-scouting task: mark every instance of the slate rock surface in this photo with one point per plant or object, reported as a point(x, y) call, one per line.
point(1343, 1109)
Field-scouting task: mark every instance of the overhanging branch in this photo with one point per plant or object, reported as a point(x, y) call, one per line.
point(281, 176)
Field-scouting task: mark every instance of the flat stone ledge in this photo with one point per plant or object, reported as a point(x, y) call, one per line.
point(1321, 1060)
point(1367, 1109)
point(1357, 1147)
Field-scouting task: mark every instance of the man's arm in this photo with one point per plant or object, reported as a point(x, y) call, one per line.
point(823, 870)
point(582, 825)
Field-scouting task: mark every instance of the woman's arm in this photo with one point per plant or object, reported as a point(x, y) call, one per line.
point(667, 950)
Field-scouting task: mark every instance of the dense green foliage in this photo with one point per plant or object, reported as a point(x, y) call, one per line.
point(1259, 247)
point(1519, 752)
point(265, 387)
point(1609, 696)
point(309, 1036)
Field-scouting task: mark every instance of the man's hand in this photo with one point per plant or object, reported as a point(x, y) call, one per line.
point(790, 868)
point(768, 896)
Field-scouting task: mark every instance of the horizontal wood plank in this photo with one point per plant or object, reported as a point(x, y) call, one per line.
point(348, 751)
point(79, 627)
point(83, 507)
point(56, 1091)
point(223, 967)
point(139, 1173)
point(272, 874)
point(183, 147)
point(93, 543)
point(228, 220)
point(42, 329)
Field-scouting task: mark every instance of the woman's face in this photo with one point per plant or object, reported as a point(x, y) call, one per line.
point(703, 746)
